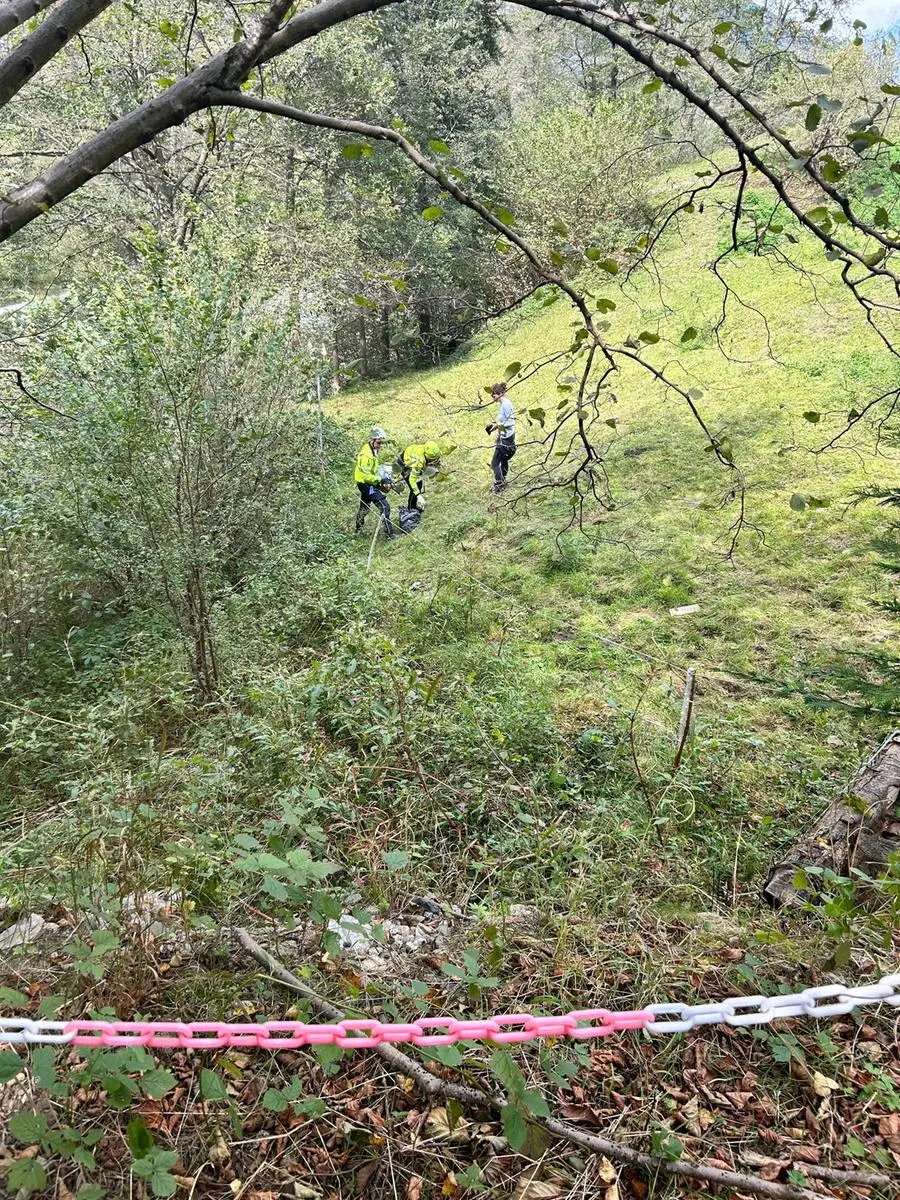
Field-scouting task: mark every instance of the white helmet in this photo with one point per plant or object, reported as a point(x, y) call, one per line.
point(385, 473)
point(377, 435)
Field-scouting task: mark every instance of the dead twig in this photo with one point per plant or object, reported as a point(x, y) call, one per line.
point(435, 1087)
point(684, 727)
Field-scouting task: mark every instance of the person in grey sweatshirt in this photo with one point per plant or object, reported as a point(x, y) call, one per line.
point(505, 428)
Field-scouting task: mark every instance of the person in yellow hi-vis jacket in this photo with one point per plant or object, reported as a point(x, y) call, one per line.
point(415, 462)
point(369, 475)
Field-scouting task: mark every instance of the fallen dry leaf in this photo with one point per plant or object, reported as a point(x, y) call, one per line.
point(690, 1117)
point(449, 1187)
point(437, 1124)
point(414, 1188)
point(606, 1172)
point(364, 1176)
point(889, 1128)
point(219, 1152)
point(612, 1192)
point(822, 1085)
point(302, 1191)
point(528, 1188)
point(718, 1164)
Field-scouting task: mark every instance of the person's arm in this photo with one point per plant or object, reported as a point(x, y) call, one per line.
point(416, 467)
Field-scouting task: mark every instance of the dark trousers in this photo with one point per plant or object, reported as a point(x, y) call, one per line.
point(369, 495)
point(503, 452)
point(413, 493)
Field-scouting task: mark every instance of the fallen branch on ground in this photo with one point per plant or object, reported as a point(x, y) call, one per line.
point(434, 1087)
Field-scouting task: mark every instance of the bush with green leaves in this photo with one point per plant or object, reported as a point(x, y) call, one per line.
point(183, 445)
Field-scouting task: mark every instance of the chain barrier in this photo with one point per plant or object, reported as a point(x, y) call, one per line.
point(830, 1000)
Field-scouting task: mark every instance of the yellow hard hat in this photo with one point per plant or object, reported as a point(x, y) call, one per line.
point(432, 451)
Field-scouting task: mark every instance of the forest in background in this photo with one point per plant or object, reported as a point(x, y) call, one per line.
point(216, 712)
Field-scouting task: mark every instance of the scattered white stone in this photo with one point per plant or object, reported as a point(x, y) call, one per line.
point(25, 931)
point(684, 611)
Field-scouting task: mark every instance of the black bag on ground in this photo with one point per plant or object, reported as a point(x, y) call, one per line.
point(408, 519)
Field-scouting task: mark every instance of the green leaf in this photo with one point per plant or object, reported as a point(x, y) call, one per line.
point(355, 150)
point(650, 338)
point(502, 246)
point(604, 305)
point(438, 146)
point(212, 1087)
point(395, 860)
point(313, 1107)
point(535, 1103)
point(93, 1191)
point(504, 215)
point(434, 213)
point(156, 1083)
point(447, 1056)
point(826, 25)
point(813, 117)
point(798, 502)
point(891, 89)
point(681, 61)
point(719, 51)
point(139, 1138)
point(10, 998)
point(610, 266)
point(50, 1006)
point(537, 414)
point(689, 334)
point(169, 30)
point(274, 1100)
point(813, 417)
point(507, 1071)
point(855, 1148)
point(560, 227)
point(653, 86)
point(27, 1128)
point(514, 1127)
point(512, 369)
point(10, 1065)
point(881, 217)
point(723, 27)
point(26, 1173)
point(593, 254)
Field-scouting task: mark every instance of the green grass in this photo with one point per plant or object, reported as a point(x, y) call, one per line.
point(584, 619)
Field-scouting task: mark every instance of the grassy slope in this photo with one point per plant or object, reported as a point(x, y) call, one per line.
point(587, 617)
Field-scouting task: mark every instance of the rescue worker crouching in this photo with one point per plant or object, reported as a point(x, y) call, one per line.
point(417, 463)
point(369, 475)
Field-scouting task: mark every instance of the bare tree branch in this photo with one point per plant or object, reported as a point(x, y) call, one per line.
point(17, 12)
point(172, 107)
point(24, 62)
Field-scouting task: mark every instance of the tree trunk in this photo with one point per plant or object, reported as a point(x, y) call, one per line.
point(860, 829)
point(290, 184)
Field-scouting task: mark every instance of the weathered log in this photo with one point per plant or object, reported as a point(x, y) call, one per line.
point(860, 828)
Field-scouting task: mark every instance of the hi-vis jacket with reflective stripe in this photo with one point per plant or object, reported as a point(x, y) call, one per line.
point(366, 465)
point(416, 458)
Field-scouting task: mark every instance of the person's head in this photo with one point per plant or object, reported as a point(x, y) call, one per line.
point(498, 390)
point(377, 438)
point(432, 452)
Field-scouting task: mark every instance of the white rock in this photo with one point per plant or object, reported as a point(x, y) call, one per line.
point(26, 929)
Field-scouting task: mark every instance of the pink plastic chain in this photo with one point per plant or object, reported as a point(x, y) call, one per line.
point(359, 1034)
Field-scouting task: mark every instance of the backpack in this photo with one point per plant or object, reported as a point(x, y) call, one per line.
point(408, 519)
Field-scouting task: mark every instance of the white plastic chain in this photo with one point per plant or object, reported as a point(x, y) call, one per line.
point(830, 1000)
point(760, 1010)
